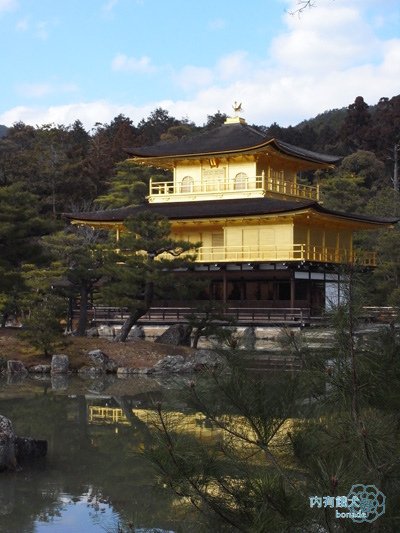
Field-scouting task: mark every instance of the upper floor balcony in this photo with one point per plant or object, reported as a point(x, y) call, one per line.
point(242, 186)
point(294, 252)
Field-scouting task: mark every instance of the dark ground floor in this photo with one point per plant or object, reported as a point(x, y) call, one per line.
point(316, 287)
point(262, 294)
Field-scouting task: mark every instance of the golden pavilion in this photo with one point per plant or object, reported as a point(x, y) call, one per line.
point(267, 241)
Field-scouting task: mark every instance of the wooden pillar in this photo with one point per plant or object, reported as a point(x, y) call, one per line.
point(243, 294)
point(350, 259)
point(224, 286)
point(292, 290)
point(309, 291)
point(337, 254)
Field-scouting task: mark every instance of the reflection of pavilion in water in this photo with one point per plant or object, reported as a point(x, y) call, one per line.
point(195, 424)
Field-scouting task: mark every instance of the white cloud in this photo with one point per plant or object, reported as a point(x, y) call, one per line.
point(87, 112)
point(124, 63)
point(233, 66)
point(8, 5)
point(326, 38)
point(321, 61)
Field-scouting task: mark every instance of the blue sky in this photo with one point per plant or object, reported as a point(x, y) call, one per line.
point(63, 60)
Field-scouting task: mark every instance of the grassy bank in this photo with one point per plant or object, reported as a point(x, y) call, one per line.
point(136, 353)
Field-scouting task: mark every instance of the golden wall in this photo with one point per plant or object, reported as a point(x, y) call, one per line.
point(284, 240)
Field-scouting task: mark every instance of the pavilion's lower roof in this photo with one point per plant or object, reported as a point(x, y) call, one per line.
point(220, 209)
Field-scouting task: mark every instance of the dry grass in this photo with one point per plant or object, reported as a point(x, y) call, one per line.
point(135, 353)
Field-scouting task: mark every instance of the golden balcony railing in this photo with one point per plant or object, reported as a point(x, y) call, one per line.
point(295, 252)
point(269, 182)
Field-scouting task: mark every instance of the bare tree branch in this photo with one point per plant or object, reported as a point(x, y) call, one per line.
point(302, 6)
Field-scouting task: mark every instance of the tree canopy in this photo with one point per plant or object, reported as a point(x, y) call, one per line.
point(146, 260)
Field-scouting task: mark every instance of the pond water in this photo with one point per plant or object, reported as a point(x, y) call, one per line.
point(94, 478)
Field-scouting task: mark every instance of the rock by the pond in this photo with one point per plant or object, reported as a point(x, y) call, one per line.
point(203, 359)
point(143, 370)
point(124, 371)
point(16, 367)
point(59, 364)
point(92, 332)
point(176, 335)
point(101, 360)
point(248, 339)
point(137, 332)
point(15, 449)
point(40, 369)
point(200, 360)
point(170, 363)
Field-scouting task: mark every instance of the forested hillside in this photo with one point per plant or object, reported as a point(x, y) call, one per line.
point(48, 170)
point(69, 168)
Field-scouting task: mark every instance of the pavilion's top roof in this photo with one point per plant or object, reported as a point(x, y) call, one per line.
point(221, 209)
point(229, 138)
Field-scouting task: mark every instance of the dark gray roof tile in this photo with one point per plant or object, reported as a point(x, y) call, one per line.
point(228, 138)
point(221, 209)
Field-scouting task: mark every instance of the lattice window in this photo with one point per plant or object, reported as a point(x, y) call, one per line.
point(187, 184)
point(240, 182)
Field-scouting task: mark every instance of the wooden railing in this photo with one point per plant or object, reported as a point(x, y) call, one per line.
point(174, 315)
point(254, 316)
point(272, 181)
point(295, 252)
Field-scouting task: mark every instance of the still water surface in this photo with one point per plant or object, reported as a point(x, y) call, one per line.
point(94, 478)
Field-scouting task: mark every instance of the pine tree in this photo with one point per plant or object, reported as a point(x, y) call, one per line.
point(130, 185)
point(147, 258)
point(79, 257)
point(20, 229)
point(286, 438)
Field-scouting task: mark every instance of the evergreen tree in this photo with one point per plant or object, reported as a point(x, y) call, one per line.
point(147, 258)
point(157, 123)
point(317, 432)
point(43, 328)
point(357, 124)
point(367, 166)
point(345, 192)
point(213, 121)
point(79, 256)
point(20, 229)
point(130, 185)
